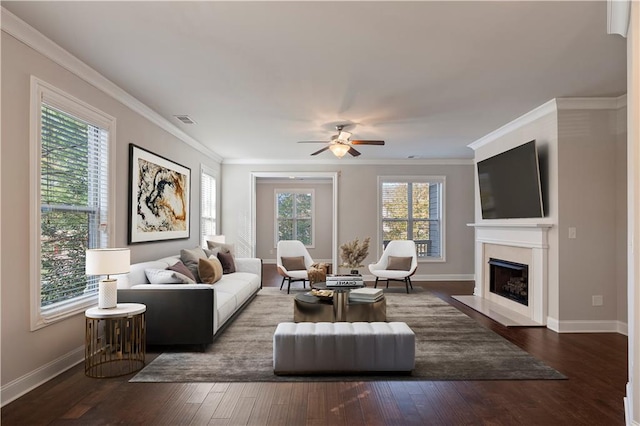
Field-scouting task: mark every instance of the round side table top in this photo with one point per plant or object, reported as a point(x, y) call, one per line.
point(121, 309)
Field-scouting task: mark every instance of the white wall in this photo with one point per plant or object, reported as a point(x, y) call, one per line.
point(358, 204)
point(35, 356)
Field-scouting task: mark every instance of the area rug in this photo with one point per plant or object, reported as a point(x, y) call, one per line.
point(449, 346)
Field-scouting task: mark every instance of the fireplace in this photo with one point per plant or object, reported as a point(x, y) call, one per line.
point(509, 280)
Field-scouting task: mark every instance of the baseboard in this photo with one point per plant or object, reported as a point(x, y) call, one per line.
point(587, 326)
point(20, 386)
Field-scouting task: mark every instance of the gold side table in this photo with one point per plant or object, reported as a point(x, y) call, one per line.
point(115, 340)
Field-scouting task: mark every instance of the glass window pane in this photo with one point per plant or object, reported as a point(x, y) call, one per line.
point(303, 231)
point(420, 193)
point(394, 230)
point(394, 200)
point(303, 206)
point(285, 205)
point(285, 229)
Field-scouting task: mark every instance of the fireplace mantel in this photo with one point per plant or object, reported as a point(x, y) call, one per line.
point(532, 236)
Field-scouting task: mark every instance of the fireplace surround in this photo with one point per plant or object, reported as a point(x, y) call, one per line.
point(516, 243)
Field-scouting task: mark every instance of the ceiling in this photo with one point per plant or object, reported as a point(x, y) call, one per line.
point(427, 77)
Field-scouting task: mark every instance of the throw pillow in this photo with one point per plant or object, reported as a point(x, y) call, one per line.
point(214, 252)
point(228, 265)
point(165, 276)
point(227, 248)
point(294, 263)
point(190, 259)
point(210, 270)
point(181, 268)
point(398, 263)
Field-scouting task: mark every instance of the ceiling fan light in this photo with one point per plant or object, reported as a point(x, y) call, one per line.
point(339, 150)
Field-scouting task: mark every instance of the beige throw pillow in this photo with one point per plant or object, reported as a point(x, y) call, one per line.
point(295, 263)
point(210, 270)
point(397, 263)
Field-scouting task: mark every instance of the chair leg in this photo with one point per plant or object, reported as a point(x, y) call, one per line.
point(282, 283)
point(406, 283)
point(289, 285)
point(376, 283)
point(410, 284)
point(387, 283)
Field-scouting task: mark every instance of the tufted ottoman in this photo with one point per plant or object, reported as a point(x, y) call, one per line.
point(343, 347)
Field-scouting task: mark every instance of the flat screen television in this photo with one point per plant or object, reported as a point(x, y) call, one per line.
point(510, 184)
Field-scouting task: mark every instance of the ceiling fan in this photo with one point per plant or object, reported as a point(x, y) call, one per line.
point(340, 143)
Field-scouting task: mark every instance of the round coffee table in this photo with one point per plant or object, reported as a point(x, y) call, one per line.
point(309, 308)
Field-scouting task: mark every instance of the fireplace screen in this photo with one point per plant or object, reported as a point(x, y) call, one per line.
point(510, 280)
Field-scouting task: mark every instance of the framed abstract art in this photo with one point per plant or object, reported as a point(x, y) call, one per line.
point(159, 197)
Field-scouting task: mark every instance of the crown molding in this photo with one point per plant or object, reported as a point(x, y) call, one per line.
point(354, 162)
point(550, 107)
point(28, 35)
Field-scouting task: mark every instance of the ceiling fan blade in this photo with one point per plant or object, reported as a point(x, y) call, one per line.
point(353, 152)
point(312, 142)
point(320, 150)
point(367, 142)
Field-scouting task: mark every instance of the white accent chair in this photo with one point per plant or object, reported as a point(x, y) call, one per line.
point(292, 248)
point(396, 248)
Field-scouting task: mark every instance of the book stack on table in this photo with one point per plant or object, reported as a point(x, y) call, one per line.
point(348, 281)
point(366, 294)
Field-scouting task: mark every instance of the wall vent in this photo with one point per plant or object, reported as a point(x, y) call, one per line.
point(185, 119)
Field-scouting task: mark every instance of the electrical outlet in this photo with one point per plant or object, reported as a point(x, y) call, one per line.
point(572, 232)
point(597, 300)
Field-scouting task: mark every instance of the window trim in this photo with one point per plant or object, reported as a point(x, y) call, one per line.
point(215, 173)
point(59, 99)
point(439, 179)
point(277, 191)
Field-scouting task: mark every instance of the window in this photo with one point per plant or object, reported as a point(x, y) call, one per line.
point(208, 204)
point(70, 199)
point(411, 209)
point(294, 215)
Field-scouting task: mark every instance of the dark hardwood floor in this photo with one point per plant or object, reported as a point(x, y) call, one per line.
point(595, 364)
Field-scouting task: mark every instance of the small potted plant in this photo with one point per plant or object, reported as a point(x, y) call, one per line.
point(353, 253)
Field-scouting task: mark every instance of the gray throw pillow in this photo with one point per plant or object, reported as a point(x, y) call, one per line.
point(398, 263)
point(190, 259)
point(295, 263)
point(225, 248)
point(165, 276)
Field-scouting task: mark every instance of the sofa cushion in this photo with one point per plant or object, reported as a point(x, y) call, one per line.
point(239, 284)
point(182, 269)
point(226, 259)
point(225, 305)
point(190, 258)
point(210, 270)
point(398, 263)
point(226, 248)
point(295, 263)
point(167, 276)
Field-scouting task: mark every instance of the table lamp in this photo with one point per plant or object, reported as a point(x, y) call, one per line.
point(109, 261)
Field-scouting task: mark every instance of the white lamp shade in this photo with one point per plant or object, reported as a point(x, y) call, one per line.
point(109, 261)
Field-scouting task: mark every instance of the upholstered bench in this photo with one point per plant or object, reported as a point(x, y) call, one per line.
point(343, 347)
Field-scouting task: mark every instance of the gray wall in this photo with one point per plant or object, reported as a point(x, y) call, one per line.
point(265, 220)
point(592, 197)
point(358, 204)
point(30, 351)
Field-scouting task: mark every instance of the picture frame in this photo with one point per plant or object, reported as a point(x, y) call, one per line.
point(159, 197)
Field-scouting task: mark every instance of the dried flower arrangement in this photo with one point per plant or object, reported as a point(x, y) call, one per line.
point(353, 253)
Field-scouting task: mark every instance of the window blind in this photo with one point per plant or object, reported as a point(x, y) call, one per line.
point(74, 163)
point(208, 225)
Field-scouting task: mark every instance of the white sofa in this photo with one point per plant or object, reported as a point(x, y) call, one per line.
point(189, 313)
